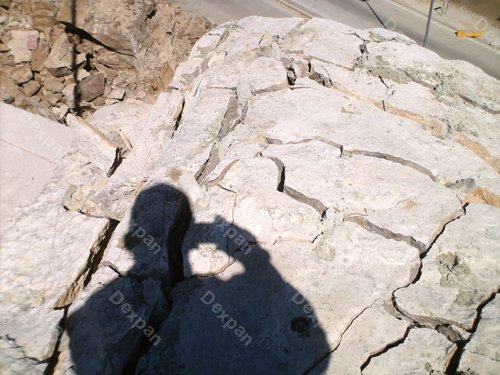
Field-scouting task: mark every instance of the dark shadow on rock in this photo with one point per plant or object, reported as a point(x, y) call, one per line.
point(74, 65)
point(153, 322)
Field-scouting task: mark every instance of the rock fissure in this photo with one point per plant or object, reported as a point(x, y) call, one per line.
point(209, 164)
point(302, 198)
point(454, 363)
point(294, 194)
point(369, 226)
point(280, 185)
point(346, 152)
point(332, 350)
point(178, 119)
point(394, 159)
point(54, 358)
point(231, 118)
point(113, 268)
point(387, 347)
point(427, 321)
point(96, 253)
point(222, 174)
point(14, 343)
point(479, 105)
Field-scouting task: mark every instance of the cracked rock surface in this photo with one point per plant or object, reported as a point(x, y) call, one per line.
point(304, 198)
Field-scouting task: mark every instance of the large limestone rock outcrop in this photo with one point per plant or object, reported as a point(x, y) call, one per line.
point(304, 198)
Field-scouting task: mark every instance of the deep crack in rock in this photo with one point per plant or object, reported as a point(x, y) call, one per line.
point(96, 252)
point(455, 360)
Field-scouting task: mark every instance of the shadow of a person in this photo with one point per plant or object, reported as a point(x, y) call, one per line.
point(249, 321)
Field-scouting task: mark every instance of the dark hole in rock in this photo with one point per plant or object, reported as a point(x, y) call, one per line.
point(151, 14)
point(300, 324)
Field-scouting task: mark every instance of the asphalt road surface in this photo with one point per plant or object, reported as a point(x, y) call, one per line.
point(358, 14)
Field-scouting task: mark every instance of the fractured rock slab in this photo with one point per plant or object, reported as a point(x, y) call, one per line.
point(369, 334)
point(32, 147)
point(425, 349)
point(387, 194)
point(459, 272)
point(481, 353)
point(19, 44)
point(289, 319)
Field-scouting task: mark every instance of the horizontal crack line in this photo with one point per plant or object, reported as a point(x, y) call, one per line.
point(369, 226)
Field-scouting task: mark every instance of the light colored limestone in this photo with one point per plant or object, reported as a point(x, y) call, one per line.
point(305, 197)
point(369, 334)
point(423, 351)
point(260, 291)
point(481, 354)
point(31, 148)
point(459, 272)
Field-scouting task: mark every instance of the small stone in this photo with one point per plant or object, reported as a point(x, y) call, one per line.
point(109, 73)
point(99, 102)
point(8, 89)
point(22, 74)
point(4, 48)
point(39, 55)
point(53, 98)
point(60, 112)
point(69, 94)
point(32, 41)
point(13, 24)
point(115, 60)
point(31, 88)
point(44, 15)
point(42, 23)
point(117, 93)
point(53, 84)
point(60, 60)
point(107, 90)
point(92, 87)
point(18, 45)
point(82, 74)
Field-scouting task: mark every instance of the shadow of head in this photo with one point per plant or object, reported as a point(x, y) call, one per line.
point(159, 219)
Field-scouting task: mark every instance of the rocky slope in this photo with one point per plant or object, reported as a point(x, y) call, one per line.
point(304, 198)
point(60, 56)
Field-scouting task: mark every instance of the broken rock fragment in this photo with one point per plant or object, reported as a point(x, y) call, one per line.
point(92, 87)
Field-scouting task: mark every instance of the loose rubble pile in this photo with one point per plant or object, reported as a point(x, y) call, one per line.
point(100, 51)
point(303, 198)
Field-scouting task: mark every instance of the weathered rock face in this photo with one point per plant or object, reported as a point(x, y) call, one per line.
point(98, 52)
point(304, 198)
